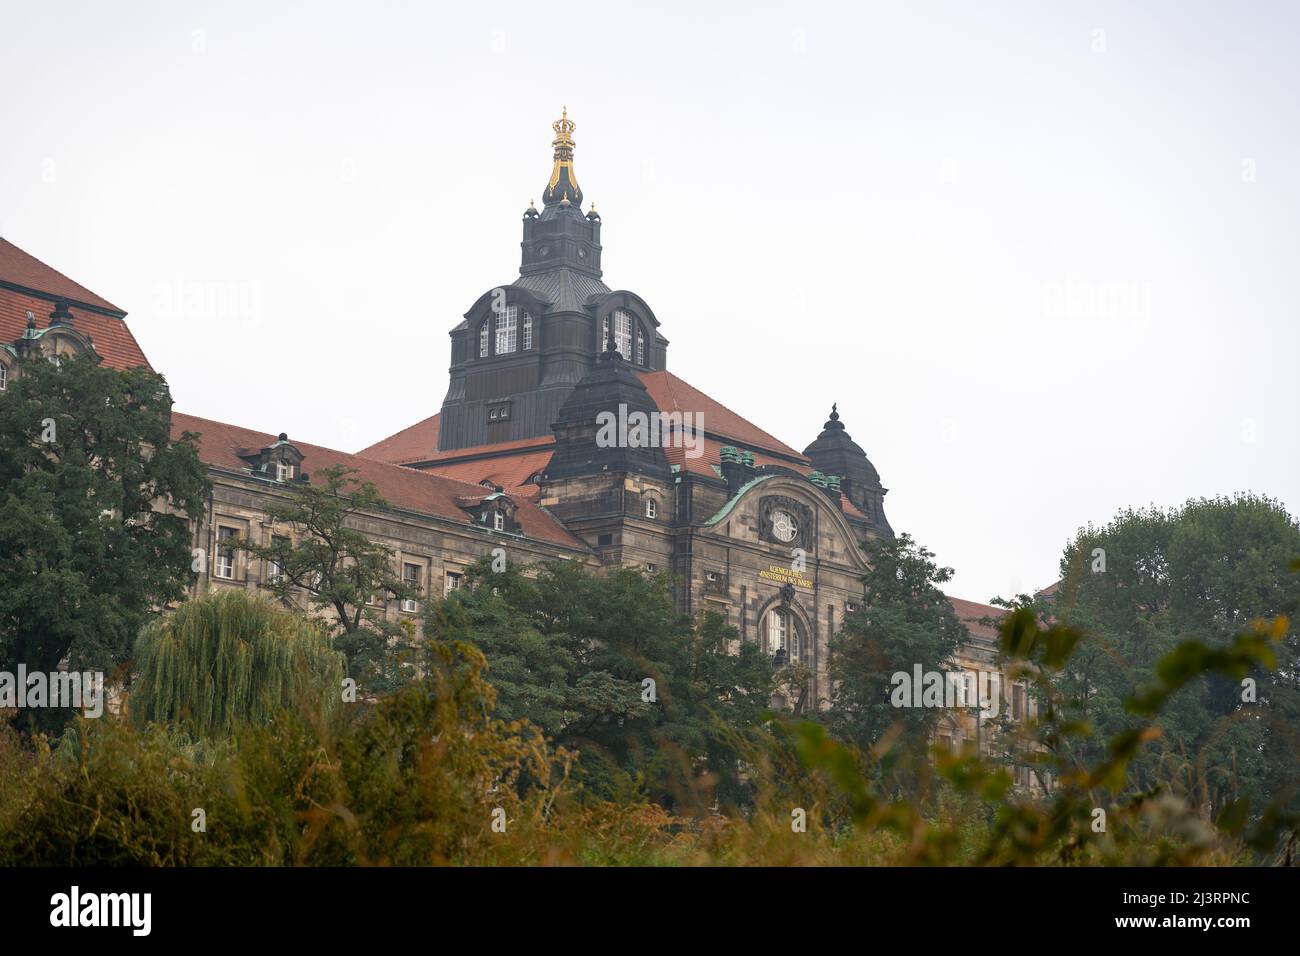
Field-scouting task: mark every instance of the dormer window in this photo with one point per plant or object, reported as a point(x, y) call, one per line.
point(4, 376)
point(498, 521)
point(640, 346)
point(284, 471)
point(507, 329)
point(483, 340)
point(528, 332)
point(651, 508)
point(622, 333)
point(498, 412)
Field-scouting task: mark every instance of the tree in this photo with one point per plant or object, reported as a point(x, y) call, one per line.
point(96, 502)
point(904, 621)
point(341, 571)
point(1154, 578)
point(230, 658)
point(605, 665)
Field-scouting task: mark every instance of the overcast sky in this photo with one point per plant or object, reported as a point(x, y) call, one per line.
point(1043, 255)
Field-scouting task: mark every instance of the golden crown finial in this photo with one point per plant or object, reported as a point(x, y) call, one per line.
point(564, 128)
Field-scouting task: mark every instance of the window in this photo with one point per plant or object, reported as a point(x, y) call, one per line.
point(781, 631)
point(652, 568)
point(651, 508)
point(274, 572)
point(507, 326)
point(4, 377)
point(850, 607)
point(622, 333)
point(284, 471)
point(411, 577)
point(640, 346)
point(1017, 701)
point(483, 340)
point(778, 631)
point(499, 520)
point(528, 332)
point(226, 553)
point(452, 582)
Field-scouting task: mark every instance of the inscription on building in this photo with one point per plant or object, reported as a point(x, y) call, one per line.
point(779, 572)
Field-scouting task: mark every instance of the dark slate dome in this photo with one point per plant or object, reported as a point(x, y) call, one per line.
point(835, 453)
point(611, 388)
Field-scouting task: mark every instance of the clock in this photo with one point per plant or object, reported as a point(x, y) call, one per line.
point(784, 526)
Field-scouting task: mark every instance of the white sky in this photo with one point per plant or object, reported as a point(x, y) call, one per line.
point(1046, 271)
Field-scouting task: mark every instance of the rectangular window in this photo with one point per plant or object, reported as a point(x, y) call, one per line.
point(507, 327)
point(275, 573)
point(452, 582)
point(499, 521)
point(283, 471)
point(528, 331)
point(411, 576)
point(225, 553)
point(4, 377)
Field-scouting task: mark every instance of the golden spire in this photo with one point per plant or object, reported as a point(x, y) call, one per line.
point(564, 182)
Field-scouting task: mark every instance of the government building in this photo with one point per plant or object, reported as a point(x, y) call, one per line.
point(531, 451)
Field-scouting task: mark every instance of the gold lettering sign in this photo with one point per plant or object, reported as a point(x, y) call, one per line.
point(779, 572)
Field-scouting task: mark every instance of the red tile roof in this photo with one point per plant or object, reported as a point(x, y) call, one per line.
point(418, 442)
point(970, 612)
point(422, 492)
point(26, 270)
point(510, 464)
point(27, 284)
point(672, 394)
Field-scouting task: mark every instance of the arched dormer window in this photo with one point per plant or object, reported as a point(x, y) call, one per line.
point(483, 340)
point(507, 330)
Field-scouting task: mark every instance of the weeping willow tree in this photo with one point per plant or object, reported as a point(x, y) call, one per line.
point(230, 658)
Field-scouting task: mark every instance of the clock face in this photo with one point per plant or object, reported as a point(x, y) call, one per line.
point(783, 526)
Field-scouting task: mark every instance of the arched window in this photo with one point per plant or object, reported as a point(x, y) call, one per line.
point(622, 333)
point(507, 328)
point(651, 508)
point(640, 346)
point(528, 332)
point(781, 632)
point(483, 340)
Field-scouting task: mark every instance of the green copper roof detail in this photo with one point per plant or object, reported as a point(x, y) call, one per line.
point(726, 509)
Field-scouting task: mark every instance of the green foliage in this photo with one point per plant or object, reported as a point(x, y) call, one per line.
point(415, 780)
point(339, 568)
point(570, 651)
point(221, 660)
point(905, 620)
point(94, 521)
point(1177, 587)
